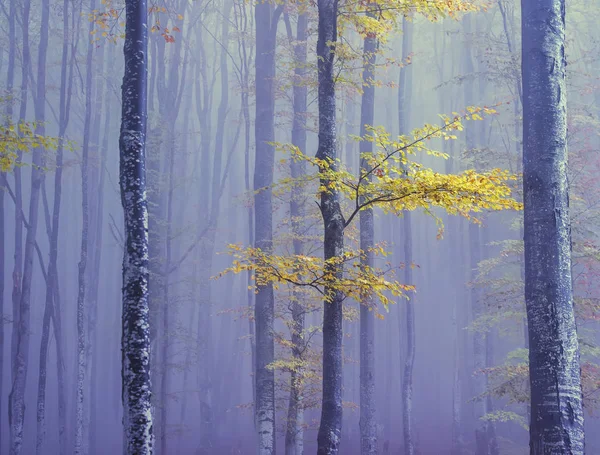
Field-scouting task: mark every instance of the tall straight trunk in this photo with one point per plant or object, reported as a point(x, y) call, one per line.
point(556, 398)
point(66, 92)
point(164, 383)
point(16, 414)
point(40, 117)
point(17, 273)
point(156, 224)
point(137, 387)
point(476, 297)
point(244, 77)
point(294, 434)
point(488, 342)
point(404, 106)
point(93, 299)
point(264, 134)
point(187, 365)
point(10, 77)
point(80, 418)
point(205, 321)
point(479, 380)
point(52, 305)
point(330, 428)
point(367, 423)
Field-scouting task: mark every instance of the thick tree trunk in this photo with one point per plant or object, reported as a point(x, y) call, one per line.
point(367, 423)
point(556, 399)
point(137, 388)
point(266, 28)
point(330, 429)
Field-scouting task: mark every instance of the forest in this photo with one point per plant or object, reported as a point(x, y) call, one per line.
point(267, 227)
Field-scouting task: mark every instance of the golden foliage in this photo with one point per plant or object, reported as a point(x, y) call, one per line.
point(19, 138)
point(316, 273)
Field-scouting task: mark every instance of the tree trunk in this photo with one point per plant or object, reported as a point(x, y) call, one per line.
point(330, 429)
point(97, 257)
point(404, 107)
point(80, 418)
point(367, 423)
point(137, 387)
point(556, 399)
point(294, 435)
point(16, 414)
point(10, 77)
point(266, 29)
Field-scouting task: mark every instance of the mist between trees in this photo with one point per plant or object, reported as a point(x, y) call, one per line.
point(332, 227)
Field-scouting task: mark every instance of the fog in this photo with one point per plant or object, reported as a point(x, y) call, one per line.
point(451, 352)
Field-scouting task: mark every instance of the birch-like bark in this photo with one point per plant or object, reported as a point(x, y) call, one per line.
point(137, 387)
point(556, 398)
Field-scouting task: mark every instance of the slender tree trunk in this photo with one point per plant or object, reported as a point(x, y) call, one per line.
point(404, 106)
point(164, 383)
point(97, 257)
point(10, 77)
point(17, 394)
point(330, 429)
point(367, 423)
point(294, 435)
point(556, 399)
point(476, 297)
point(137, 387)
point(250, 210)
point(80, 418)
point(66, 90)
point(17, 274)
point(266, 29)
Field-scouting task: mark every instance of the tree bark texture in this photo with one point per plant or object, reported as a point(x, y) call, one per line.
point(330, 428)
point(137, 388)
point(556, 399)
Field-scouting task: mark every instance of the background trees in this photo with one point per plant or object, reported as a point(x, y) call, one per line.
point(210, 129)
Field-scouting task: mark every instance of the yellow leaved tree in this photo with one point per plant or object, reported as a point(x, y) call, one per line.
point(392, 181)
point(20, 138)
